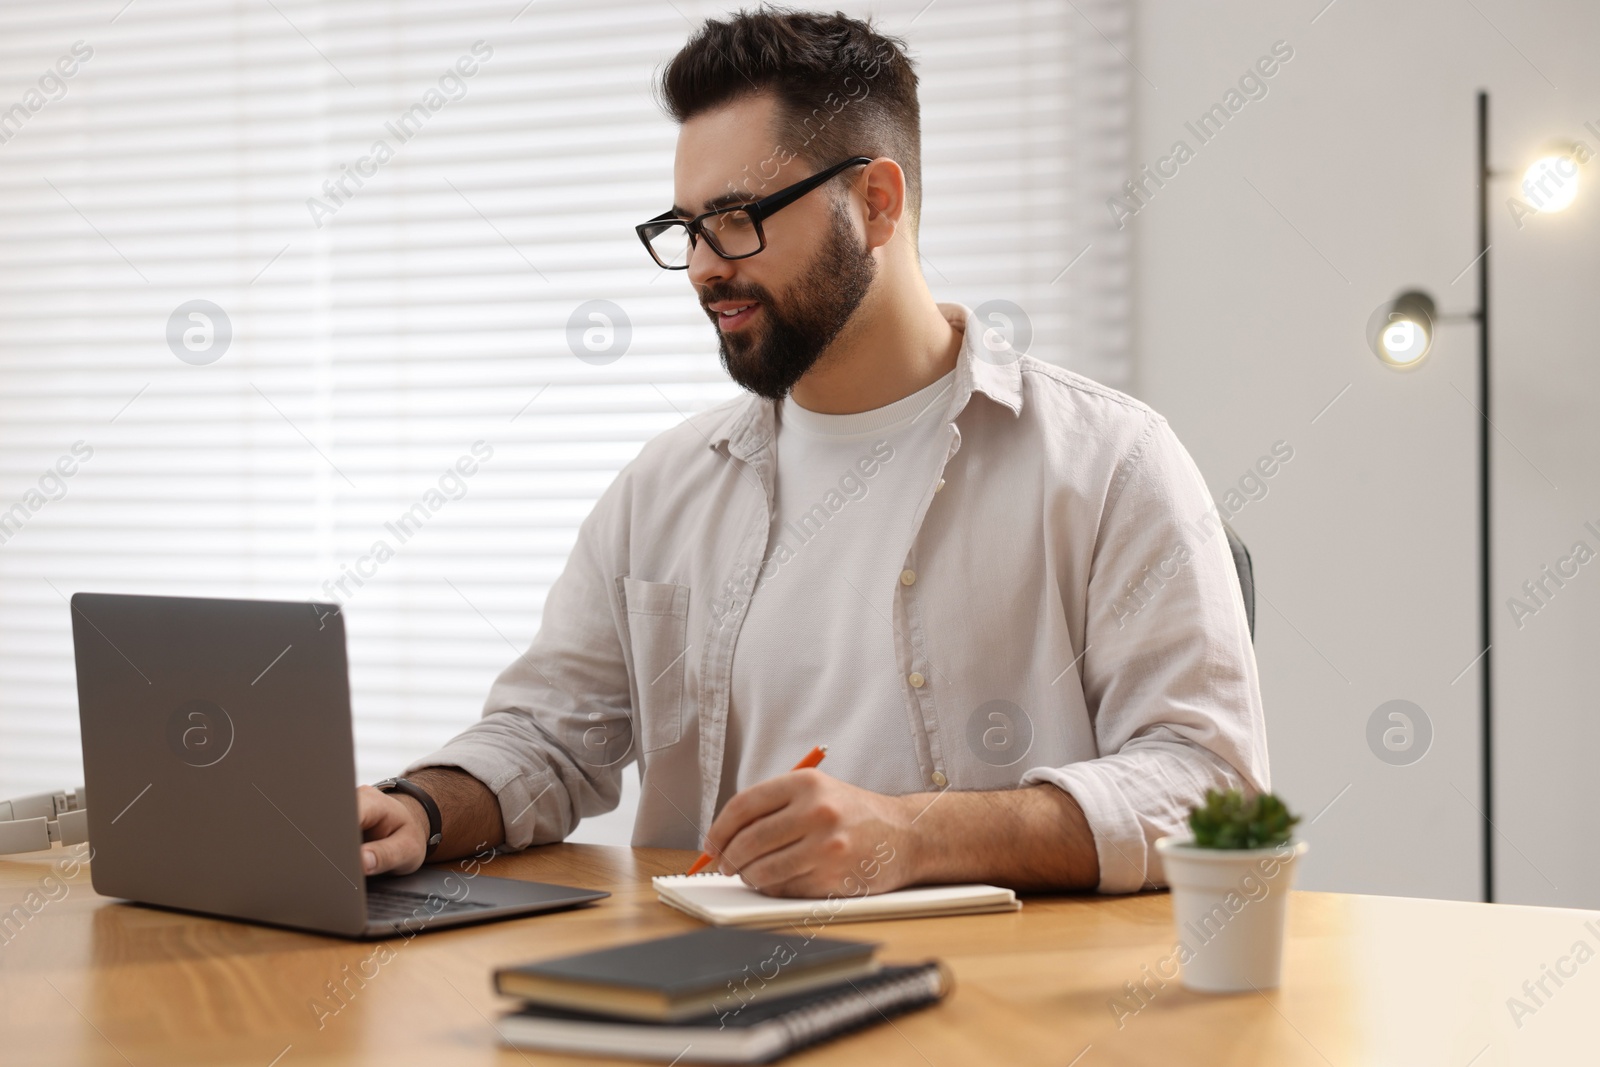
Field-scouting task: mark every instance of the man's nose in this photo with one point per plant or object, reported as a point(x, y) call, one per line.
point(705, 266)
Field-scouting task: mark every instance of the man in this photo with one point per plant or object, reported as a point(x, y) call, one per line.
point(996, 590)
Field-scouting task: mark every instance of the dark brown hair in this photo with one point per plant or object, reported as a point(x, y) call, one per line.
point(842, 89)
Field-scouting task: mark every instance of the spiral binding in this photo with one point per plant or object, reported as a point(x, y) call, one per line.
point(846, 1012)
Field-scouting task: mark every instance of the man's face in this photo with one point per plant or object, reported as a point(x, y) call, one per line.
point(815, 270)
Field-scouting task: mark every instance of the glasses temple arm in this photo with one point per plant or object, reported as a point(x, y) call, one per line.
point(784, 197)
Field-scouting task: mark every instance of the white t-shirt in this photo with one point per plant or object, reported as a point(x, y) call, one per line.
point(816, 649)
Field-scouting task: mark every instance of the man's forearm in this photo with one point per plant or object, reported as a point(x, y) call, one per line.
point(469, 812)
point(1032, 838)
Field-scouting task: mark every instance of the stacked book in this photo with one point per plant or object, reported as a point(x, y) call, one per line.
point(717, 995)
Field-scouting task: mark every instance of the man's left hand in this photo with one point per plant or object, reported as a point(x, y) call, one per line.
point(806, 834)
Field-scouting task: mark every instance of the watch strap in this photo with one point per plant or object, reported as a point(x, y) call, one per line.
point(421, 796)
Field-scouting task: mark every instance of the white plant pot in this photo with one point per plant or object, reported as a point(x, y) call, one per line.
point(1230, 907)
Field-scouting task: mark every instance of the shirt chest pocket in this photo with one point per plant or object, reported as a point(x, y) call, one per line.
point(658, 625)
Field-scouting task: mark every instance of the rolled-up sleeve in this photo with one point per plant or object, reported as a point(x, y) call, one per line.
point(556, 730)
point(1168, 669)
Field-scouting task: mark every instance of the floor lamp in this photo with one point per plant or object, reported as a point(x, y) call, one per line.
point(1401, 335)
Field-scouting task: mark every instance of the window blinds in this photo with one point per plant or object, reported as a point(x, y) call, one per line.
point(298, 300)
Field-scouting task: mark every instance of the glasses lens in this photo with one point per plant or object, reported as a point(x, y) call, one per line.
point(733, 233)
point(669, 243)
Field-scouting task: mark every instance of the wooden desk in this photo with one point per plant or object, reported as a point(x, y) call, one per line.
point(1368, 980)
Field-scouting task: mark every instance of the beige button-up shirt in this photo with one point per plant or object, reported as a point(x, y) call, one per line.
point(1075, 619)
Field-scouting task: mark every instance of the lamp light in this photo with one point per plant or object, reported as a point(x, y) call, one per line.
point(1551, 182)
point(1401, 331)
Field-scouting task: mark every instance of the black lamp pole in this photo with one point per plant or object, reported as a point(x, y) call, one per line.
point(1485, 610)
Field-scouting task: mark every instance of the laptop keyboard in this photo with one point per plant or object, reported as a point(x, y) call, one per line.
point(385, 905)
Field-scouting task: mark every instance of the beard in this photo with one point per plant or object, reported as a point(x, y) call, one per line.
point(769, 358)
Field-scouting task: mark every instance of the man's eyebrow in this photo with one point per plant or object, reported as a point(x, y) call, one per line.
point(725, 200)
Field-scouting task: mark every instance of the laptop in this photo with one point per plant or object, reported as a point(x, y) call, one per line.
point(217, 746)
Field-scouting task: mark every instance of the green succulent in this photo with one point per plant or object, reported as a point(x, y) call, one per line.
point(1228, 820)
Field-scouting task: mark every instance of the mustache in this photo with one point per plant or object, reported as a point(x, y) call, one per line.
point(714, 297)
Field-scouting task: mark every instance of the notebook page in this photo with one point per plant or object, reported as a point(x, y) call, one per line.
point(724, 900)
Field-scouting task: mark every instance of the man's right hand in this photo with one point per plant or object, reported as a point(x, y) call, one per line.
point(394, 829)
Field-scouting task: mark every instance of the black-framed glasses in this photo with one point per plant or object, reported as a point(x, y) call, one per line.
point(733, 232)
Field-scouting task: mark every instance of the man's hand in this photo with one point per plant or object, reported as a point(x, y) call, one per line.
point(395, 829)
point(805, 834)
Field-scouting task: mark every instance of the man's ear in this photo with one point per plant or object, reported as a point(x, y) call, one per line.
point(881, 188)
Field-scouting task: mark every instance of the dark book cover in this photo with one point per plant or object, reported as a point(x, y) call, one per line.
point(700, 961)
point(755, 1013)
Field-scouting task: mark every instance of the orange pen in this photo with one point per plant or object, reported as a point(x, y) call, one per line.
point(813, 758)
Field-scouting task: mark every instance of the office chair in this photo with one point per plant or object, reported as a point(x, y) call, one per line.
point(1247, 578)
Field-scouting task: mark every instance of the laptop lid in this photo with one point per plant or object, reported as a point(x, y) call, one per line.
point(217, 744)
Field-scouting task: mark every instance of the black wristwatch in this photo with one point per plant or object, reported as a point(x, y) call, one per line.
point(420, 795)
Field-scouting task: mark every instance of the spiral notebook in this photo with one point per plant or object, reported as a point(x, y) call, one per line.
point(760, 1031)
point(724, 900)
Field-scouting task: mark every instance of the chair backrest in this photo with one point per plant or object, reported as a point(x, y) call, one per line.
point(1247, 578)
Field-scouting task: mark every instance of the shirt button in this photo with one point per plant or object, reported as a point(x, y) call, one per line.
point(917, 681)
point(940, 780)
point(939, 486)
point(907, 577)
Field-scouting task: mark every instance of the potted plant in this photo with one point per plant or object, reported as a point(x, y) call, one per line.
point(1230, 886)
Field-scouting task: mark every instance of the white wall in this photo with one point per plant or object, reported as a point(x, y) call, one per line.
point(1257, 268)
